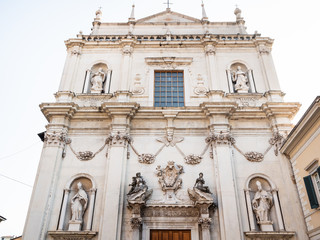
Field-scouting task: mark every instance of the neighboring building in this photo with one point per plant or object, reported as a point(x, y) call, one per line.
point(17, 238)
point(7, 237)
point(144, 107)
point(303, 149)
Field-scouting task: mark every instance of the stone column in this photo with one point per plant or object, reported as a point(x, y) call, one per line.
point(205, 226)
point(63, 209)
point(210, 52)
point(91, 208)
point(250, 212)
point(126, 66)
point(45, 187)
point(70, 67)
point(278, 210)
point(228, 206)
point(114, 195)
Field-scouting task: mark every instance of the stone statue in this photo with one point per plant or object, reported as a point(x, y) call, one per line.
point(200, 184)
point(261, 204)
point(240, 78)
point(201, 194)
point(79, 204)
point(97, 81)
point(139, 189)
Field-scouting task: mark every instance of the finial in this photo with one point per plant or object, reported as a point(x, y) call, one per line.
point(98, 14)
point(239, 19)
point(131, 18)
point(204, 14)
point(168, 5)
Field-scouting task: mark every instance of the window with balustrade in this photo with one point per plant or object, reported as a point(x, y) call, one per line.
point(168, 89)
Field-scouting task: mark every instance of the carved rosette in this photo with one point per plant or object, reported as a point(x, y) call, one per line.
point(147, 158)
point(205, 222)
point(118, 139)
point(136, 222)
point(277, 140)
point(222, 138)
point(55, 138)
point(254, 156)
point(193, 159)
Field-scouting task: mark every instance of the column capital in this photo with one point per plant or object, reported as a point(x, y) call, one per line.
point(136, 222)
point(205, 222)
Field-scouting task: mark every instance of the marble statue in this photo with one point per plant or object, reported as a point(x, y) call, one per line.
point(261, 204)
point(240, 78)
point(139, 189)
point(200, 184)
point(97, 81)
point(79, 203)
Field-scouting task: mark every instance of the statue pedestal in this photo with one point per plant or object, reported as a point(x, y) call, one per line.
point(170, 197)
point(266, 226)
point(74, 225)
point(96, 91)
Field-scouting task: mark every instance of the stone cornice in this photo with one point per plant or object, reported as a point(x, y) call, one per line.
point(72, 235)
point(280, 109)
point(120, 108)
point(218, 108)
point(65, 110)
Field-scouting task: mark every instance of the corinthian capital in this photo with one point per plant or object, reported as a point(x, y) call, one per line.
point(210, 49)
point(127, 50)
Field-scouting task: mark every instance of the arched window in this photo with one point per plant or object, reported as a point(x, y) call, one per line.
point(240, 78)
point(79, 193)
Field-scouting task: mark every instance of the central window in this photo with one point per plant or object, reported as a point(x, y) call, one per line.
point(168, 89)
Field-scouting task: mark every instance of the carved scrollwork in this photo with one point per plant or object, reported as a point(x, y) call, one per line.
point(200, 89)
point(210, 49)
point(85, 156)
point(205, 222)
point(127, 50)
point(263, 49)
point(254, 156)
point(222, 138)
point(136, 222)
point(137, 88)
point(193, 159)
point(119, 139)
point(147, 158)
point(276, 141)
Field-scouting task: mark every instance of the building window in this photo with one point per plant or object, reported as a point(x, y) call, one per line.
point(312, 183)
point(168, 89)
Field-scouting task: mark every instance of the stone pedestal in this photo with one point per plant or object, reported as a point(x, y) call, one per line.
point(74, 225)
point(266, 226)
point(170, 197)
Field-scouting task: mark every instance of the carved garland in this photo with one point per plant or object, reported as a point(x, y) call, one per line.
point(252, 156)
point(149, 158)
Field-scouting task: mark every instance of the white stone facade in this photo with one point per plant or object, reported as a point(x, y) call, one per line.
point(99, 138)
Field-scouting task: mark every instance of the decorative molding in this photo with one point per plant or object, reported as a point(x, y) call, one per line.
point(137, 88)
point(55, 138)
point(205, 222)
point(72, 235)
point(210, 49)
point(127, 50)
point(170, 211)
point(222, 138)
point(136, 222)
point(200, 89)
point(254, 156)
point(169, 62)
point(277, 141)
point(263, 49)
point(119, 139)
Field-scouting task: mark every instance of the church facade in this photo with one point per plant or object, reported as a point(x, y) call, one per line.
point(166, 127)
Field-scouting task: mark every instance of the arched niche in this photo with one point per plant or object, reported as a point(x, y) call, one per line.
point(275, 215)
point(71, 189)
point(240, 78)
point(97, 79)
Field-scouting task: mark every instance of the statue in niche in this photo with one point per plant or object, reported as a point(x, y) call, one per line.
point(201, 193)
point(139, 189)
point(240, 78)
point(79, 204)
point(97, 81)
point(200, 184)
point(261, 204)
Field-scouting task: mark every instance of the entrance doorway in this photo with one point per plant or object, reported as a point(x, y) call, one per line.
point(170, 234)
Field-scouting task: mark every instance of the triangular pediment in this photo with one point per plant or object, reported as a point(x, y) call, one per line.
point(168, 17)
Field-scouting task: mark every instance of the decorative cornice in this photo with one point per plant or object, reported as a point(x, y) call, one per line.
point(223, 108)
point(172, 62)
point(72, 235)
point(120, 108)
point(280, 109)
point(51, 110)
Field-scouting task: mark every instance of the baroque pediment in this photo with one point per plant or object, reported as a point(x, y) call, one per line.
point(168, 16)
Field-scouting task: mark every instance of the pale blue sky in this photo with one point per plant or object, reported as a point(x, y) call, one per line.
point(32, 55)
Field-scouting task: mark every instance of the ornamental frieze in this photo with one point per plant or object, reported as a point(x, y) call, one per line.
point(170, 212)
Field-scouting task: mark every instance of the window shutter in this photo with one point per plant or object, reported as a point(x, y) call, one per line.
point(311, 193)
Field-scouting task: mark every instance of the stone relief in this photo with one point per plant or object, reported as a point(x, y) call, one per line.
point(119, 138)
point(261, 204)
point(205, 222)
point(139, 190)
point(170, 212)
point(55, 138)
point(240, 78)
point(277, 140)
point(170, 140)
point(79, 204)
point(136, 222)
point(222, 138)
point(193, 159)
point(210, 49)
point(97, 81)
point(200, 89)
point(263, 49)
point(254, 156)
point(137, 88)
point(169, 180)
point(127, 50)
point(146, 158)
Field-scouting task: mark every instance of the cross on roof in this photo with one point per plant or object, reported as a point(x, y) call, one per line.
point(168, 3)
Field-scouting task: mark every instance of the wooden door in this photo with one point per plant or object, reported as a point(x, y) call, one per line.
point(170, 235)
